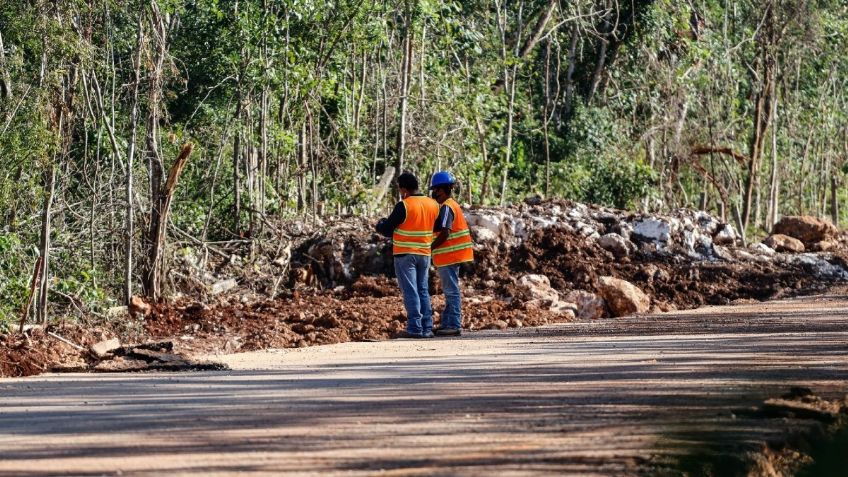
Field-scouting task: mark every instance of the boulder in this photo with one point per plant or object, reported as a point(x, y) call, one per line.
point(784, 243)
point(483, 235)
point(105, 348)
point(538, 288)
point(762, 249)
point(805, 228)
point(622, 297)
point(824, 246)
point(725, 235)
point(616, 245)
point(223, 286)
point(139, 307)
point(651, 229)
point(564, 309)
point(589, 305)
point(117, 312)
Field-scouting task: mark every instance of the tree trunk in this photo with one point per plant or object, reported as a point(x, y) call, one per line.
point(762, 111)
point(406, 70)
point(237, 167)
point(5, 78)
point(546, 119)
point(509, 123)
point(773, 214)
point(156, 168)
point(44, 246)
point(159, 229)
point(130, 219)
point(834, 202)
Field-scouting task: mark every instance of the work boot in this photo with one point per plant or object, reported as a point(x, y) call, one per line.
point(428, 334)
point(406, 334)
point(448, 332)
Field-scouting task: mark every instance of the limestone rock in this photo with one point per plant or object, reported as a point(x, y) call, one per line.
point(622, 297)
point(653, 230)
point(483, 235)
point(616, 244)
point(117, 312)
point(589, 305)
point(223, 286)
point(726, 235)
point(762, 249)
point(805, 228)
point(824, 246)
point(565, 309)
point(784, 243)
point(538, 288)
point(105, 348)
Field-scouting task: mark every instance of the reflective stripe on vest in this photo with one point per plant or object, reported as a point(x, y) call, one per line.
point(415, 234)
point(458, 248)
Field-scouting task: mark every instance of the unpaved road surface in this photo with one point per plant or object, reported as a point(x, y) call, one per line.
point(611, 397)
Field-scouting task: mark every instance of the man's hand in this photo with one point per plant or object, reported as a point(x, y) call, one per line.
point(441, 238)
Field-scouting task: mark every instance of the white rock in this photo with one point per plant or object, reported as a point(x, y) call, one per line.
point(723, 253)
point(540, 290)
point(615, 244)
point(117, 311)
point(589, 305)
point(726, 236)
point(763, 249)
point(223, 286)
point(656, 230)
point(565, 309)
point(706, 222)
point(483, 235)
point(104, 348)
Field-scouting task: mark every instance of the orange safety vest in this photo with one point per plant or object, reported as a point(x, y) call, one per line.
point(458, 248)
point(415, 235)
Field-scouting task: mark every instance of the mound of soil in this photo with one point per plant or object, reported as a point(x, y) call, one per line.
point(330, 282)
point(370, 310)
point(674, 281)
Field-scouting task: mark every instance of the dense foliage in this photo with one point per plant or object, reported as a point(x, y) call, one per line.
point(299, 107)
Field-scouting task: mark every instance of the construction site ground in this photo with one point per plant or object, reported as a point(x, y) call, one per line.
point(648, 394)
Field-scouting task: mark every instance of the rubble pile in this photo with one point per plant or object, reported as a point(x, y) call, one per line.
point(331, 280)
point(61, 349)
point(567, 259)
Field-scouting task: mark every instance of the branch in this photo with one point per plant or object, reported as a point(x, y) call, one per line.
point(704, 150)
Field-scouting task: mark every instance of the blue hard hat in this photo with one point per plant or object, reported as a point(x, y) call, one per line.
point(442, 178)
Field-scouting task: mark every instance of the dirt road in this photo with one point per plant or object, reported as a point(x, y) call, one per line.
point(610, 397)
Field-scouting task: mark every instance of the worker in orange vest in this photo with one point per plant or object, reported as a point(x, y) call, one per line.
point(411, 225)
point(451, 248)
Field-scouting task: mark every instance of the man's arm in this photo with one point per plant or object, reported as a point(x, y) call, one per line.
point(443, 226)
point(387, 227)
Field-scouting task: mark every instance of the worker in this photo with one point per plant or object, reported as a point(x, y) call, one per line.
point(451, 248)
point(411, 225)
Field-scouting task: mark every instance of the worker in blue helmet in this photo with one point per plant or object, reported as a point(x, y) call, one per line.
point(451, 248)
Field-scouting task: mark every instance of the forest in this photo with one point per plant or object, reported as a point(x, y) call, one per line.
point(128, 126)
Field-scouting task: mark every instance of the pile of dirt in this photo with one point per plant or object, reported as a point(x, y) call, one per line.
point(72, 348)
point(673, 281)
point(369, 310)
point(331, 280)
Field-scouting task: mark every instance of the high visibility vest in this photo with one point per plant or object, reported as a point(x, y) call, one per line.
point(415, 234)
point(458, 248)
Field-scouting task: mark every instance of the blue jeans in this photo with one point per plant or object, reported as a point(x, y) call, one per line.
point(452, 316)
point(412, 275)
